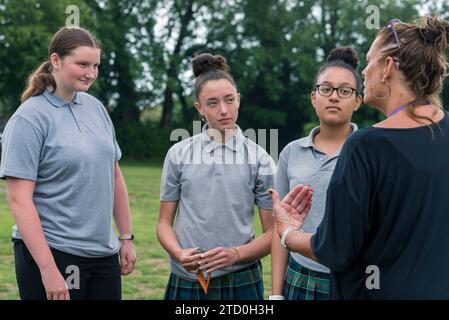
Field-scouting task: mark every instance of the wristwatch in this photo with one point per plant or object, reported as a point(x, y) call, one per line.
point(284, 235)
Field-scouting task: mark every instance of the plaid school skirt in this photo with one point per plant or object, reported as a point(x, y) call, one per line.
point(243, 284)
point(305, 284)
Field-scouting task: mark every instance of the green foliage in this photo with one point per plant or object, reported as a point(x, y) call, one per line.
point(274, 47)
point(26, 28)
point(115, 24)
point(275, 73)
point(143, 141)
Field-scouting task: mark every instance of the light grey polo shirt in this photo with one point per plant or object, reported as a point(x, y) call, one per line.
point(217, 186)
point(301, 163)
point(69, 149)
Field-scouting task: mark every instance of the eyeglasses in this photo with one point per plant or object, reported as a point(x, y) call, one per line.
point(327, 90)
point(390, 26)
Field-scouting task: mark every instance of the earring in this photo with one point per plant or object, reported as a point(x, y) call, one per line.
point(388, 90)
point(202, 117)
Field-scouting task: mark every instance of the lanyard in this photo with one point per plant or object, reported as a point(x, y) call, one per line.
point(400, 108)
point(203, 282)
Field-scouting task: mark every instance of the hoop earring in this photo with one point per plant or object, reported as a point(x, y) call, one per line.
point(387, 85)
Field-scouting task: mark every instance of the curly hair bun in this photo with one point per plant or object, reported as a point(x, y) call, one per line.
point(206, 62)
point(345, 54)
point(435, 30)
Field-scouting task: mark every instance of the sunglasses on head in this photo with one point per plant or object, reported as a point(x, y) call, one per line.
point(390, 25)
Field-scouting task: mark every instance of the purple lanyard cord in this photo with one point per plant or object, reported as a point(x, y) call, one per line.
point(399, 109)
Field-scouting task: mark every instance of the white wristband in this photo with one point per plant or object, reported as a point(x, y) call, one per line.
point(284, 236)
point(276, 297)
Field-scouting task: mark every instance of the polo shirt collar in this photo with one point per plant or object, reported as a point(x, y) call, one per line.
point(233, 144)
point(308, 141)
point(58, 101)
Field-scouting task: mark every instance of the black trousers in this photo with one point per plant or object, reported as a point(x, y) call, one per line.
point(87, 278)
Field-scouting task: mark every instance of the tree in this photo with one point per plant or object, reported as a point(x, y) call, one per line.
point(171, 47)
point(347, 22)
point(26, 28)
point(117, 29)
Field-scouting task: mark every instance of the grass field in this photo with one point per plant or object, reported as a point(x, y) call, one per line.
point(149, 279)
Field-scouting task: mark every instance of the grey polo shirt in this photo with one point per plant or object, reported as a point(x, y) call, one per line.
point(217, 186)
point(69, 150)
point(301, 163)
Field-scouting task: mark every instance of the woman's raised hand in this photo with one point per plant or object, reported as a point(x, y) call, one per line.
point(293, 209)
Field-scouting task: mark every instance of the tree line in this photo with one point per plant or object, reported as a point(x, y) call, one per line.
point(274, 48)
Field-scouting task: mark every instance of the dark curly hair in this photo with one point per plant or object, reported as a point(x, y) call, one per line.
point(343, 57)
point(208, 67)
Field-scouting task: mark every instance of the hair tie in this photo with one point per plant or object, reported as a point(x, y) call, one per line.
point(49, 68)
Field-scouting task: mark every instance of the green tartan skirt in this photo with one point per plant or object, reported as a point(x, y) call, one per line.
point(305, 284)
point(243, 284)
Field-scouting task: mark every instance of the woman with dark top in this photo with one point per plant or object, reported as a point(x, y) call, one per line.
point(384, 233)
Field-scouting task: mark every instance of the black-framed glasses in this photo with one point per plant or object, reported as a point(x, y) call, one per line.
point(390, 26)
point(326, 90)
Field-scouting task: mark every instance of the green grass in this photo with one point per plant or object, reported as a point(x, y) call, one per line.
point(8, 287)
point(152, 270)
